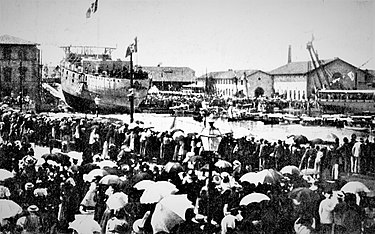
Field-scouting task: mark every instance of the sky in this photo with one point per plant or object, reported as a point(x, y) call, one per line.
point(205, 35)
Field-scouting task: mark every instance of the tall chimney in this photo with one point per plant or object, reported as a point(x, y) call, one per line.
point(290, 54)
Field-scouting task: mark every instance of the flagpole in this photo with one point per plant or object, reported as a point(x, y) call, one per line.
point(131, 97)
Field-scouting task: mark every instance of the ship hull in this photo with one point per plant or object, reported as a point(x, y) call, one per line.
point(355, 107)
point(81, 91)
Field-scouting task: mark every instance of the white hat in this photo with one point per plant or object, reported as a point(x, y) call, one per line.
point(32, 208)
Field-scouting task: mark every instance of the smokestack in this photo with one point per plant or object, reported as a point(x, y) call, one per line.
point(290, 54)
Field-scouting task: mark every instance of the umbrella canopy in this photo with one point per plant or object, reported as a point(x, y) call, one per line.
point(107, 163)
point(158, 191)
point(173, 167)
point(110, 179)
point(299, 139)
point(85, 224)
point(169, 212)
point(141, 176)
point(290, 169)
point(248, 177)
point(94, 173)
point(9, 208)
point(61, 158)
point(223, 164)
point(266, 176)
point(86, 168)
point(354, 187)
point(144, 184)
point(117, 200)
point(5, 174)
point(253, 197)
point(300, 195)
point(317, 141)
point(178, 135)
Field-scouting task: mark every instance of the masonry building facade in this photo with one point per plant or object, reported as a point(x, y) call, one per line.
point(20, 70)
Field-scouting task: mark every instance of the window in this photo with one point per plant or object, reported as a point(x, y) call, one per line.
point(241, 82)
point(8, 74)
point(22, 71)
point(22, 55)
point(7, 52)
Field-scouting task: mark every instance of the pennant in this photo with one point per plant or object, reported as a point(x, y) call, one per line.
point(135, 45)
point(88, 13)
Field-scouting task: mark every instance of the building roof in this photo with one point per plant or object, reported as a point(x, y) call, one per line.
point(228, 74)
point(171, 74)
point(294, 68)
point(11, 40)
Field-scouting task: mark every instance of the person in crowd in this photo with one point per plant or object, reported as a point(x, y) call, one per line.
point(190, 225)
point(356, 156)
point(326, 208)
point(353, 215)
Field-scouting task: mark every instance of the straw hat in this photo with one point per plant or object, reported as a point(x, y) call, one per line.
point(138, 226)
point(32, 208)
point(29, 186)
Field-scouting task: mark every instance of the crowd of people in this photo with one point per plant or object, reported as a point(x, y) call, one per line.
point(54, 188)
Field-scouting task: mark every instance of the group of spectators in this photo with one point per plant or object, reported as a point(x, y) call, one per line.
point(53, 192)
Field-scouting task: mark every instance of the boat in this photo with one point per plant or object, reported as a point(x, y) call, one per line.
point(289, 118)
point(347, 101)
point(359, 123)
point(92, 81)
point(272, 118)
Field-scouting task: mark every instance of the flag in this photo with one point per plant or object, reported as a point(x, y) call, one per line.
point(129, 50)
point(351, 75)
point(135, 45)
point(88, 13)
point(92, 9)
point(173, 125)
point(95, 6)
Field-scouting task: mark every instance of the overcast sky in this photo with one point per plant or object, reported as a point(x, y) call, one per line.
point(212, 35)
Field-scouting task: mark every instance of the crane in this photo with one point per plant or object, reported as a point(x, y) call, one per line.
point(317, 63)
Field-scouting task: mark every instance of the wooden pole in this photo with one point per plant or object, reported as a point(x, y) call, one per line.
point(131, 97)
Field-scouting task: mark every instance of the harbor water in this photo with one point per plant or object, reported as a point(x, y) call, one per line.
point(272, 133)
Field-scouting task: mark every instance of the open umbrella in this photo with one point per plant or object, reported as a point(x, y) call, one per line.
point(317, 141)
point(85, 224)
point(354, 187)
point(61, 158)
point(158, 191)
point(144, 184)
point(107, 163)
point(248, 177)
point(299, 139)
point(173, 167)
point(169, 212)
point(301, 195)
point(8, 209)
point(110, 179)
point(94, 173)
point(223, 164)
point(86, 168)
point(253, 197)
point(178, 135)
point(5, 174)
point(117, 200)
point(266, 176)
point(141, 176)
point(290, 169)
